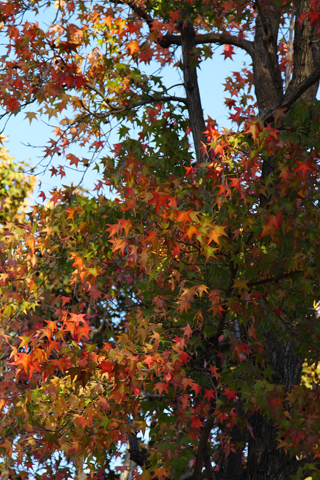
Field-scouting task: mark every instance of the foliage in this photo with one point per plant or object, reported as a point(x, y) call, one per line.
point(183, 308)
point(16, 187)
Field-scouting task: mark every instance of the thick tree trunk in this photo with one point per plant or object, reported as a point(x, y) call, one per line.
point(306, 53)
point(265, 88)
point(265, 460)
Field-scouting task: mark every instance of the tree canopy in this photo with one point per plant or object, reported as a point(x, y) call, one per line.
point(177, 314)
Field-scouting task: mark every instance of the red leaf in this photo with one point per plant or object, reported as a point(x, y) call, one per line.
point(230, 394)
point(214, 372)
point(304, 167)
point(159, 199)
point(187, 331)
point(209, 394)
point(254, 129)
point(228, 51)
point(161, 387)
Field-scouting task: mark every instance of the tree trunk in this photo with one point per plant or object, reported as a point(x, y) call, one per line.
point(130, 466)
point(265, 461)
point(192, 90)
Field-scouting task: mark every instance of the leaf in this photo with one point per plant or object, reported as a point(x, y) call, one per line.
point(253, 129)
point(228, 51)
point(240, 284)
point(31, 116)
point(215, 233)
point(159, 199)
point(209, 394)
point(230, 394)
point(305, 167)
point(133, 47)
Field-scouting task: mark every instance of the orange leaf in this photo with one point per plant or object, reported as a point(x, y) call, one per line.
point(133, 47)
point(215, 233)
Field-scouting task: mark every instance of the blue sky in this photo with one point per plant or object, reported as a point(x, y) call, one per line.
point(21, 134)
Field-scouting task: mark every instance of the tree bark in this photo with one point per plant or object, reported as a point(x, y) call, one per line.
point(192, 90)
point(265, 89)
point(306, 53)
point(265, 460)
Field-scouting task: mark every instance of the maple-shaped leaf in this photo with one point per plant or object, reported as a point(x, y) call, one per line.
point(161, 387)
point(254, 129)
point(133, 47)
point(94, 293)
point(228, 51)
point(195, 387)
point(236, 182)
point(279, 113)
point(285, 173)
point(31, 116)
point(274, 220)
point(230, 394)
point(272, 132)
point(209, 394)
point(73, 159)
point(189, 172)
point(187, 331)
point(151, 238)
point(159, 199)
point(106, 367)
point(304, 167)
point(216, 232)
point(119, 393)
point(183, 216)
point(53, 171)
point(241, 284)
point(275, 403)
point(196, 422)
point(12, 104)
point(184, 357)
point(81, 420)
point(192, 230)
point(214, 372)
point(161, 473)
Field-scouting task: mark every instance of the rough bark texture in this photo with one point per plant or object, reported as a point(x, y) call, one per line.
point(306, 53)
point(265, 88)
point(265, 460)
point(192, 90)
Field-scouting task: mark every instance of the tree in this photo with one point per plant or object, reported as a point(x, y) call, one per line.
point(185, 306)
point(15, 192)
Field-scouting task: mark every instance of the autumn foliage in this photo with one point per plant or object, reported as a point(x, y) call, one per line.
point(174, 303)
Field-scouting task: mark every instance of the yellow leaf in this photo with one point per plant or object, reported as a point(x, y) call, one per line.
point(241, 284)
point(215, 233)
point(30, 116)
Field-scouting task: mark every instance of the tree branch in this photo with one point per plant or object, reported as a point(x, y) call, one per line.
point(273, 279)
point(294, 95)
point(202, 448)
point(134, 5)
point(114, 110)
point(166, 40)
point(218, 38)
